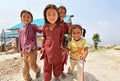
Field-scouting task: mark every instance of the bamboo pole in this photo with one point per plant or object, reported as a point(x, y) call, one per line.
point(4, 39)
point(1, 43)
point(2, 47)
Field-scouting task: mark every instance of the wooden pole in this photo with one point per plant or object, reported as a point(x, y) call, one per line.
point(4, 39)
point(1, 42)
point(17, 44)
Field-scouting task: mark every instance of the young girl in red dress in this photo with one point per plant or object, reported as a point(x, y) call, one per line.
point(62, 11)
point(53, 39)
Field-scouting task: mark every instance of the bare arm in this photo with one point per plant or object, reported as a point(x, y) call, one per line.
point(85, 53)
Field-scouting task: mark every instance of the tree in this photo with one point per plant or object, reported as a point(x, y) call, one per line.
point(96, 39)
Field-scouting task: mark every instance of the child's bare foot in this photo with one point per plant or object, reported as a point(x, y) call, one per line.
point(56, 79)
point(37, 75)
point(63, 75)
point(30, 79)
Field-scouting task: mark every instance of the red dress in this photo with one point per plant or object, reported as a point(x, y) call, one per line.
point(52, 43)
point(53, 53)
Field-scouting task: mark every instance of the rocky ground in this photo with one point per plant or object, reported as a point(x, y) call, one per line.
point(101, 65)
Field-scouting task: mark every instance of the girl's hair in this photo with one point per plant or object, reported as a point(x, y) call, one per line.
point(80, 27)
point(51, 6)
point(62, 8)
point(25, 11)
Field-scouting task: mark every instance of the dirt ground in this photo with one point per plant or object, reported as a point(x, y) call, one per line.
point(101, 65)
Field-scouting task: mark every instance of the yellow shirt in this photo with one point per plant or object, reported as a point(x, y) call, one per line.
point(77, 48)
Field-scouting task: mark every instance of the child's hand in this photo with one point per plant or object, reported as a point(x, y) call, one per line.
point(82, 58)
point(42, 50)
point(63, 48)
point(21, 54)
point(68, 39)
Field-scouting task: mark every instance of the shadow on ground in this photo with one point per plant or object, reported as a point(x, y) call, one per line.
point(72, 77)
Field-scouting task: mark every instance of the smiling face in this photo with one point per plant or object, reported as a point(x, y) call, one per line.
point(62, 13)
point(76, 33)
point(26, 18)
point(51, 15)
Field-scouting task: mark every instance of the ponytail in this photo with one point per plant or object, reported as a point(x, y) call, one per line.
point(83, 32)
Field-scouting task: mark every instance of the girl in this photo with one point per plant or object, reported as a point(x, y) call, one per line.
point(78, 51)
point(28, 45)
point(53, 39)
point(62, 11)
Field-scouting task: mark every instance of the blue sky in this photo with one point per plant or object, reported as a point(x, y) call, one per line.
point(96, 16)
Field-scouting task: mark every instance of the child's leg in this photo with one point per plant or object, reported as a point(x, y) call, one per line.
point(57, 69)
point(56, 79)
point(64, 61)
point(80, 70)
point(62, 67)
point(47, 70)
point(32, 62)
point(72, 65)
point(26, 74)
point(62, 73)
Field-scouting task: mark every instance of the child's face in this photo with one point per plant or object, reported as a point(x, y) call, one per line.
point(76, 34)
point(51, 15)
point(26, 18)
point(62, 13)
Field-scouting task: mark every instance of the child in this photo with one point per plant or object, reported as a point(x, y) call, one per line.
point(78, 51)
point(62, 11)
point(28, 45)
point(53, 39)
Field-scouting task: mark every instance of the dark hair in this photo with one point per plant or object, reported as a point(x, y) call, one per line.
point(80, 27)
point(62, 8)
point(25, 11)
point(52, 6)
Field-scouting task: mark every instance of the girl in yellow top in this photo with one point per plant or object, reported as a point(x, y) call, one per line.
point(78, 50)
